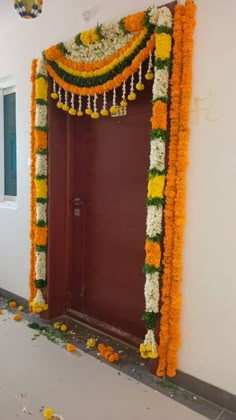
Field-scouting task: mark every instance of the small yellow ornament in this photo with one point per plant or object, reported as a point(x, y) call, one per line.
point(21, 308)
point(153, 355)
point(149, 75)
point(104, 112)
point(64, 328)
point(113, 109)
point(91, 343)
point(65, 107)
point(48, 413)
point(132, 96)
point(59, 105)
point(140, 86)
point(80, 113)
point(54, 95)
point(123, 103)
point(88, 111)
point(95, 115)
point(72, 111)
point(56, 325)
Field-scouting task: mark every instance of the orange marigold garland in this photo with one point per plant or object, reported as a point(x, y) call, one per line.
point(170, 188)
point(181, 165)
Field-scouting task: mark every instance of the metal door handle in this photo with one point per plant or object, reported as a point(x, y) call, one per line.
point(77, 202)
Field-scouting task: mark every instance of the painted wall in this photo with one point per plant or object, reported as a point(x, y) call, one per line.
point(208, 322)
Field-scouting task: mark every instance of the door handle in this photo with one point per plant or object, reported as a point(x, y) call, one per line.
point(77, 202)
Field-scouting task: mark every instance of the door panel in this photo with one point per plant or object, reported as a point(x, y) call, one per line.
point(109, 174)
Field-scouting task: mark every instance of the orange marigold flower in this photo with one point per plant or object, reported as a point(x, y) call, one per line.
point(159, 115)
point(17, 317)
point(12, 304)
point(40, 235)
point(70, 348)
point(153, 254)
point(134, 22)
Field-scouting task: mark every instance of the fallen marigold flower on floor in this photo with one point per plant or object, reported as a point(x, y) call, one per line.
point(56, 325)
point(12, 304)
point(1, 312)
point(64, 328)
point(21, 308)
point(17, 317)
point(48, 413)
point(70, 348)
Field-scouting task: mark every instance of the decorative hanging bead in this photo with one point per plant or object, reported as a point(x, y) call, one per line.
point(149, 75)
point(54, 94)
point(132, 95)
point(59, 103)
point(80, 112)
point(72, 110)
point(65, 106)
point(88, 110)
point(124, 103)
point(114, 108)
point(140, 85)
point(104, 112)
point(95, 115)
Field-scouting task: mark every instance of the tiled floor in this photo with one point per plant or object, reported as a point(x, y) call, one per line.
point(37, 373)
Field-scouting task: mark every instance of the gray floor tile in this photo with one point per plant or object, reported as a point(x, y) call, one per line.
point(227, 415)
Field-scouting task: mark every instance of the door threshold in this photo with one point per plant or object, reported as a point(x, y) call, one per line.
point(103, 327)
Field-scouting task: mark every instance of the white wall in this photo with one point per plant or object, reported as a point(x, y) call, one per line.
point(209, 280)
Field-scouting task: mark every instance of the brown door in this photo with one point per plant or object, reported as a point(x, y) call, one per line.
point(107, 184)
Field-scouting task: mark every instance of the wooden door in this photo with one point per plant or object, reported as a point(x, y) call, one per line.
point(105, 194)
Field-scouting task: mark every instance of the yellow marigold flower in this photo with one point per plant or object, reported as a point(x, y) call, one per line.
point(113, 109)
point(89, 37)
point(88, 111)
point(54, 95)
point(123, 103)
point(59, 105)
point(91, 343)
point(156, 186)
point(95, 115)
point(48, 413)
point(163, 46)
point(72, 111)
point(140, 86)
point(41, 88)
point(104, 112)
point(65, 107)
point(64, 328)
point(132, 96)
point(80, 113)
point(41, 188)
point(153, 355)
point(20, 308)
point(149, 75)
point(56, 325)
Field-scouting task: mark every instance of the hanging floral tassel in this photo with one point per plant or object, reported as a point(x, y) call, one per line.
point(80, 112)
point(65, 106)
point(124, 103)
point(149, 75)
point(72, 110)
point(140, 85)
point(104, 112)
point(114, 108)
point(88, 110)
point(59, 103)
point(95, 114)
point(54, 94)
point(132, 94)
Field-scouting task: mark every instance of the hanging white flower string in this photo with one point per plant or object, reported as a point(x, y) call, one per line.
point(65, 106)
point(114, 108)
point(80, 112)
point(88, 110)
point(95, 115)
point(104, 112)
point(132, 94)
point(72, 110)
point(124, 101)
point(140, 85)
point(54, 94)
point(59, 103)
point(149, 75)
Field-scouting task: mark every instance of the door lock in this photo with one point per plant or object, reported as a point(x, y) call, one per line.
point(77, 202)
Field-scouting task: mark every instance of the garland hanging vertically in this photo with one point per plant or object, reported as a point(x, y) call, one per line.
point(181, 165)
point(170, 188)
point(156, 183)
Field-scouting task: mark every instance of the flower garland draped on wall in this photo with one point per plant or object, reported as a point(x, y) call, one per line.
point(93, 63)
